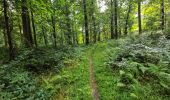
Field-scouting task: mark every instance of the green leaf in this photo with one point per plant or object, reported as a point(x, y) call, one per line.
point(143, 69)
point(164, 85)
point(133, 95)
point(120, 85)
point(121, 72)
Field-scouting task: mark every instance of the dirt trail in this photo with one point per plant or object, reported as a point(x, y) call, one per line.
point(93, 83)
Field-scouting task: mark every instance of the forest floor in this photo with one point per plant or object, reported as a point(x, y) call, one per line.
point(92, 78)
point(124, 69)
point(90, 81)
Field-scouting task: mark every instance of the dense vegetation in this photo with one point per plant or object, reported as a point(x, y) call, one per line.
point(142, 67)
point(84, 50)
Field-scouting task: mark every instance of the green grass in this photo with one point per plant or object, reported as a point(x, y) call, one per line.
point(73, 81)
point(104, 76)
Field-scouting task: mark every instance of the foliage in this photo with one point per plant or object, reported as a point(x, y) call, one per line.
point(19, 82)
point(142, 64)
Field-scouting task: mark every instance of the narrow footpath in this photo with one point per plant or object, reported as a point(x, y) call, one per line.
point(93, 83)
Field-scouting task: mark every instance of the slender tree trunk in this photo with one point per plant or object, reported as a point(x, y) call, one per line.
point(162, 15)
point(119, 22)
point(83, 35)
point(116, 22)
point(5, 37)
point(77, 38)
point(127, 19)
point(94, 21)
point(86, 22)
point(139, 17)
point(112, 21)
point(34, 31)
point(9, 35)
point(21, 35)
point(68, 23)
point(99, 34)
point(54, 30)
point(90, 32)
point(28, 40)
point(44, 35)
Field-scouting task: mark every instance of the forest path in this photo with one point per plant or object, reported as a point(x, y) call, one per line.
point(88, 78)
point(93, 83)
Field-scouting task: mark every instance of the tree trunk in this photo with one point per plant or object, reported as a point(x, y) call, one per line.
point(21, 35)
point(86, 22)
point(68, 24)
point(28, 40)
point(5, 37)
point(44, 35)
point(112, 21)
point(8, 32)
point(139, 17)
point(34, 31)
point(162, 15)
point(99, 34)
point(116, 23)
point(94, 21)
point(54, 30)
point(127, 18)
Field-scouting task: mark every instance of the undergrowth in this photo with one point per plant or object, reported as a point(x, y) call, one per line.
point(142, 67)
point(24, 77)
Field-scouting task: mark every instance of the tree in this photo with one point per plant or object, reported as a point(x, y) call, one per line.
point(33, 27)
point(8, 32)
point(68, 22)
point(28, 40)
point(116, 17)
point(127, 18)
point(53, 22)
point(112, 20)
point(139, 17)
point(93, 9)
point(86, 22)
point(162, 15)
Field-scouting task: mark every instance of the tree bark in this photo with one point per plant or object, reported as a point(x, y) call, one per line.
point(44, 35)
point(94, 21)
point(34, 31)
point(116, 23)
point(112, 21)
point(28, 40)
point(5, 37)
point(8, 32)
point(139, 17)
point(162, 15)
point(54, 30)
point(68, 23)
point(127, 19)
point(86, 22)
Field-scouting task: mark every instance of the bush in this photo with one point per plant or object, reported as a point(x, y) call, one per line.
point(20, 78)
point(144, 61)
point(167, 33)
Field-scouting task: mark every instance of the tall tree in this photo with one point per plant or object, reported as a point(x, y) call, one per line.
point(93, 10)
point(162, 15)
point(112, 20)
point(33, 27)
point(33, 24)
point(68, 22)
point(139, 17)
point(8, 32)
point(115, 18)
point(28, 40)
point(54, 30)
point(127, 18)
point(86, 22)
point(43, 30)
